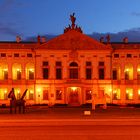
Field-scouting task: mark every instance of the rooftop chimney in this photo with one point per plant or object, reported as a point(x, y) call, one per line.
point(38, 39)
point(18, 39)
point(125, 40)
point(101, 39)
point(43, 39)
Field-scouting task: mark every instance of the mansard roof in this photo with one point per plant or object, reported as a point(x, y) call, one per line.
point(128, 46)
point(15, 45)
point(74, 40)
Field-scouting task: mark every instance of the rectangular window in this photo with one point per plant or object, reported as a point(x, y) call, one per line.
point(138, 75)
point(114, 74)
point(29, 55)
point(16, 54)
point(18, 95)
point(5, 96)
point(139, 94)
point(129, 55)
point(58, 63)
point(116, 94)
point(58, 95)
point(116, 55)
point(88, 73)
point(18, 75)
point(88, 63)
point(45, 63)
point(88, 95)
point(74, 73)
point(5, 75)
point(129, 93)
point(126, 75)
point(101, 73)
point(45, 95)
point(58, 73)
point(31, 96)
point(101, 63)
point(3, 54)
point(31, 75)
point(45, 73)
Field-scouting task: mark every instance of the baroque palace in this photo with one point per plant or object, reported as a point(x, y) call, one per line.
point(70, 69)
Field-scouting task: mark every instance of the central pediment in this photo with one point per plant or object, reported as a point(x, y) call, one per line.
point(74, 40)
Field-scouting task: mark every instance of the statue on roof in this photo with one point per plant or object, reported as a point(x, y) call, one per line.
point(73, 26)
point(73, 19)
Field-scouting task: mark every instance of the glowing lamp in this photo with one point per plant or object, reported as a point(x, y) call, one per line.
point(73, 88)
point(5, 69)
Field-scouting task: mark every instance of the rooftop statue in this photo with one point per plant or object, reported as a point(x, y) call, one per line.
point(73, 26)
point(73, 19)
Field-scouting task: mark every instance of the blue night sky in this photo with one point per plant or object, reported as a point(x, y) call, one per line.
point(32, 17)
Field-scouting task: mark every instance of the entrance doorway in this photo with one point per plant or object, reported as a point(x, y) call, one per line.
point(74, 96)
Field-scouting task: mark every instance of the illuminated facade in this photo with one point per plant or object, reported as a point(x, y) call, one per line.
point(69, 69)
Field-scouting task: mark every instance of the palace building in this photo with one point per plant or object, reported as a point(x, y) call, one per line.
point(70, 69)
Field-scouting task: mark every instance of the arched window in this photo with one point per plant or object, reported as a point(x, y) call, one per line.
point(30, 71)
point(16, 71)
point(138, 72)
point(128, 72)
point(73, 70)
point(3, 71)
point(116, 72)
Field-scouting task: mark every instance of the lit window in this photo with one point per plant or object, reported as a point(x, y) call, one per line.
point(58, 95)
point(138, 73)
point(45, 95)
point(139, 94)
point(88, 95)
point(31, 95)
point(116, 94)
point(31, 74)
point(129, 93)
point(18, 75)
